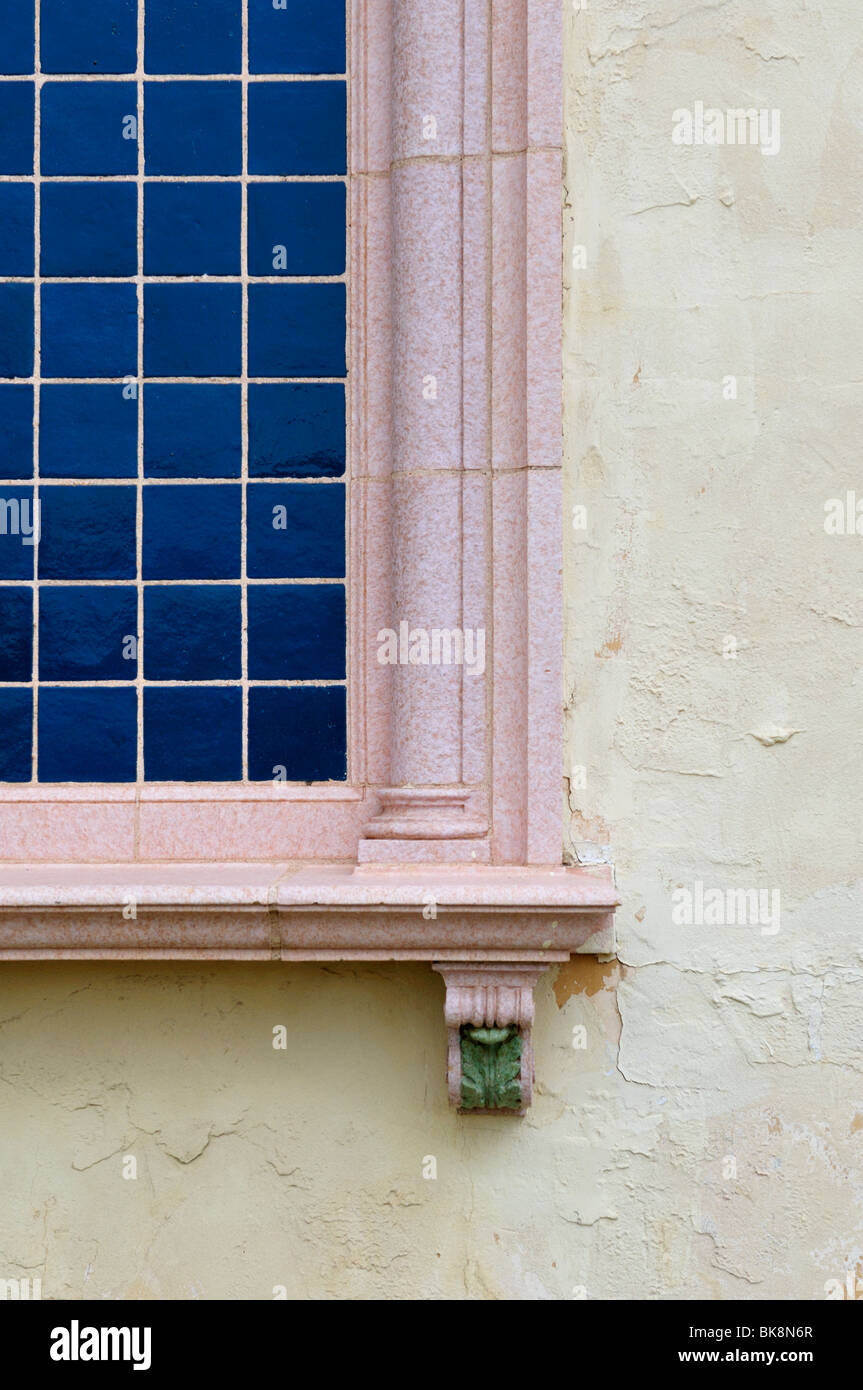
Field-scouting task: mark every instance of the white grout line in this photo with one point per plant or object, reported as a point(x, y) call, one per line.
point(37, 368)
point(139, 505)
point(244, 398)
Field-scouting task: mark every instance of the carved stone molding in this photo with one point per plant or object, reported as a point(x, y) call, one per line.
point(489, 1014)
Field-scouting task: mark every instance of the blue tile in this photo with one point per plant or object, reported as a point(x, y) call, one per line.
point(192, 330)
point(297, 128)
point(16, 635)
point(301, 729)
point(17, 129)
point(89, 330)
point(88, 634)
point(192, 431)
point(19, 532)
point(297, 330)
point(297, 632)
point(88, 735)
point(192, 531)
point(16, 229)
point(16, 330)
point(89, 128)
point(17, 52)
point(88, 35)
point(198, 36)
point(296, 37)
point(297, 228)
point(89, 229)
point(296, 530)
point(193, 127)
point(193, 734)
point(87, 432)
point(16, 431)
point(88, 532)
point(192, 229)
point(16, 745)
point(297, 430)
point(192, 632)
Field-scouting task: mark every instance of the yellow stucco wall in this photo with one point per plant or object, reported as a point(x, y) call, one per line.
point(707, 1140)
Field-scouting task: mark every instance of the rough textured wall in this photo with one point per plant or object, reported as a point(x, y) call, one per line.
point(707, 1139)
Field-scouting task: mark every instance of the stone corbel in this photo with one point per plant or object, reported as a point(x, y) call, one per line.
point(489, 1016)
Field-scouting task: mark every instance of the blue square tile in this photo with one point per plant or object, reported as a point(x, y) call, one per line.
point(297, 228)
point(296, 530)
point(193, 127)
point(297, 37)
point(89, 330)
point(301, 729)
point(297, 632)
point(16, 431)
point(17, 127)
point(16, 330)
point(88, 735)
point(16, 745)
point(19, 531)
point(193, 330)
point(87, 432)
point(192, 531)
point(296, 330)
point(192, 431)
point(88, 35)
point(193, 734)
point(89, 229)
point(192, 632)
point(200, 36)
point(88, 634)
point(16, 229)
point(88, 532)
point(17, 52)
point(16, 635)
point(297, 128)
point(89, 128)
point(192, 229)
point(297, 430)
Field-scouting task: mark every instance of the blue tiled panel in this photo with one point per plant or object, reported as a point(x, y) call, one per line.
point(89, 229)
point(296, 531)
point(16, 431)
point(297, 128)
point(16, 229)
point(201, 36)
point(297, 430)
point(192, 531)
point(86, 128)
point(87, 431)
point(193, 733)
point(87, 532)
point(296, 632)
point(193, 128)
point(16, 634)
point(192, 431)
point(84, 633)
point(88, 35)
point(192, 632)
point(16, 721)
point(300, 729)
point(192, 229)
point(87, 735)
point(297, 37)
point(181, 539)
point(17, 130)
point(17, 51)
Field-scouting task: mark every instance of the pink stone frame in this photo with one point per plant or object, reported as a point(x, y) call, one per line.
point(454, 512)
point(445, 844)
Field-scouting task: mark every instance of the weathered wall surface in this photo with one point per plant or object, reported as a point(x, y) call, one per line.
point(706, 1141)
